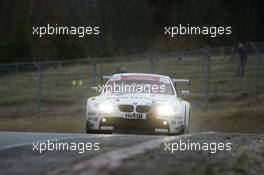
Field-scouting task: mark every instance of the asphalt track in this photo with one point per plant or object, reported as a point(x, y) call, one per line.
point(129, 154)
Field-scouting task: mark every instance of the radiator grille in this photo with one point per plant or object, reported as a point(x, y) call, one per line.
point(126, 108)
point(143, 108)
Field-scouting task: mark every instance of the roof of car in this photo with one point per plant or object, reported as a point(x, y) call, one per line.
point(140, 74)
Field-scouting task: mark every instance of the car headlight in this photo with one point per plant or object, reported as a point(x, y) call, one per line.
point(165, 110)
point(105, 107)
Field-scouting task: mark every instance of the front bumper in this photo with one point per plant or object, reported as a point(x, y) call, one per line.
point(134, 124)
point(157, 125)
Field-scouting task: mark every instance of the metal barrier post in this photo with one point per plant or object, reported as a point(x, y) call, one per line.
point(152, 65)
point(257, 70)
point(207, 57)
point(39, 87)
point(93, 63)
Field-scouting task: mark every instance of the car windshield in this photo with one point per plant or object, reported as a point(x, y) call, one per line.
point(128, 85)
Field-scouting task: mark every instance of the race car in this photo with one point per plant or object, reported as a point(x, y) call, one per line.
point(137, 102)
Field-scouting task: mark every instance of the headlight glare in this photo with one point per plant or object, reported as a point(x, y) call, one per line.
point(165, 110)
point(105, 107)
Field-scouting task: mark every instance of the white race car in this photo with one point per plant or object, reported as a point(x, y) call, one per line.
point(137, 102)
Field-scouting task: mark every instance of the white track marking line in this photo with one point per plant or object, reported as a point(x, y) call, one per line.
point(57, 137)
point(113, 159)
point(74, 137)
point(64, 138)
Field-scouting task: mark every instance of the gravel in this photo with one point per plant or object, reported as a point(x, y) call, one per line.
point(246, 157)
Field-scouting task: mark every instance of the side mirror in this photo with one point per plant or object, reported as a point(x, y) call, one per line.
point(184, 92)
point(95, 89)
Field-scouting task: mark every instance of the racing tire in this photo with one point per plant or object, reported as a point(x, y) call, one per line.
point(95, 131)
point(187, 125)
point(186, 130)
point(88, 130)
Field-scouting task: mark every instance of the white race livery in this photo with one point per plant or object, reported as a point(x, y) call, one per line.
point(137, 102)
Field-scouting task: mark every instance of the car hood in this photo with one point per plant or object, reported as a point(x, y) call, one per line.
point(139, 99)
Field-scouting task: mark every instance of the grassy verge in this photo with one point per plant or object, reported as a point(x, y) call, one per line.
point(242, 118)
point(41, 124)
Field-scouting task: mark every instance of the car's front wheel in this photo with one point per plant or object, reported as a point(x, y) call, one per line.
point(186, 130)
point(88, 130)
point(95, 131)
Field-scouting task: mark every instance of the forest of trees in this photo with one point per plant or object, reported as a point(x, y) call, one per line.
point(126, 26)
